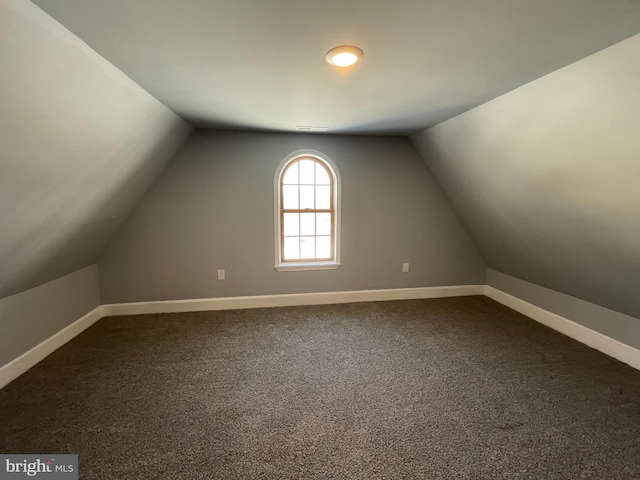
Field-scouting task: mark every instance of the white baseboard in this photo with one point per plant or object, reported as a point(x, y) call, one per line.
point(591, 338)
point(288, 300)
point(24, 362)
point(607, 345)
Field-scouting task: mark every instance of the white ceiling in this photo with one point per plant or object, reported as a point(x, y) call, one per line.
point(259, 64)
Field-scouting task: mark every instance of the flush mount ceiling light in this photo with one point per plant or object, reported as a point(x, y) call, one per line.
point(344, 56)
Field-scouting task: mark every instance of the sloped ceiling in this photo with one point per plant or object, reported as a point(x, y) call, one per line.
point(259, 64)
point(80, 143)
point(547, 178)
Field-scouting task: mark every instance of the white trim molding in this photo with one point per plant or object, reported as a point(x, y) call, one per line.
point(591, 338)
point(290, 300)
point(24, 362)
point(607, 345)
point(302, 266)
point(27, 360)
point(334, 263)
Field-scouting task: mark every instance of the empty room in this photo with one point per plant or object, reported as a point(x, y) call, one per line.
point(292, 239)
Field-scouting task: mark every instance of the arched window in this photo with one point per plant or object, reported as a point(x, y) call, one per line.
point(307, 211)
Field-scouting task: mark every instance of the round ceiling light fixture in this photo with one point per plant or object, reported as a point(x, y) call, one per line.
point(344, 56)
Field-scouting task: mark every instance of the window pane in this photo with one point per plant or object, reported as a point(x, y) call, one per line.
point(291, 175)
point(291, 248)
point(322, 177)
point(307, 224)
point(323, 224)
point(291, 225)
point(307, 247)
point(306, 171)
point(290, 197)
point(323, 198)
point(306, 197)
point(323, 247)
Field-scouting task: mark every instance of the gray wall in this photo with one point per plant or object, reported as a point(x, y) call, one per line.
point(619, 326)
point(547, 178)
point(30, 317)
point(213, 209)
point(80, 143)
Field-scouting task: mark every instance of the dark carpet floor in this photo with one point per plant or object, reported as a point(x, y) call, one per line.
point(457, 388)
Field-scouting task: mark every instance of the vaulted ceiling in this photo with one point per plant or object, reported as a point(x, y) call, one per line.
point(260, 64)
point(546, 178)
point(543, 178)
point(80, 144)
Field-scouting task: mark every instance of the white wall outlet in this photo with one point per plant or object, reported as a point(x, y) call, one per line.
point(405, 267)
point(220, 274)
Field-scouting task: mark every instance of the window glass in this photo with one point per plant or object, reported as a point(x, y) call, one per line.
point(323, 224)
point(291, 226)
point(323, 247)
point(307, 172)
point(291, 175)
point(307, 217)
point(323, 197)
point(291, 248)
point(307, 197)
point(290, 197)
point(322, 176)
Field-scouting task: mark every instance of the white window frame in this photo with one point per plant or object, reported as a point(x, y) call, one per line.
point(302, 265)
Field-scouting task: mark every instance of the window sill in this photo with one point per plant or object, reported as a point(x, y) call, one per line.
point(299, 267)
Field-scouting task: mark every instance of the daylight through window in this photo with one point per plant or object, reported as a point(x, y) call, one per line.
point(307, 212)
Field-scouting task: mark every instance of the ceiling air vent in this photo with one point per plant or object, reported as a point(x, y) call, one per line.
point(312, 129)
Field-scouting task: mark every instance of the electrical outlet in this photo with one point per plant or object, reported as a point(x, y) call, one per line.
point(220, 274)
point(405, 267)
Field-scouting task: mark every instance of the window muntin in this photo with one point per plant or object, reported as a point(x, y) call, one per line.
point(307, 211)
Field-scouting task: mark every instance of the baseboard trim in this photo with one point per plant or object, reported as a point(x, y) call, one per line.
point(289, 300)
point(593, 339)
point(607, 345)
point(24, 362)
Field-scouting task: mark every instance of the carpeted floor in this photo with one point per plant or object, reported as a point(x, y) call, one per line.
point(457, 388)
